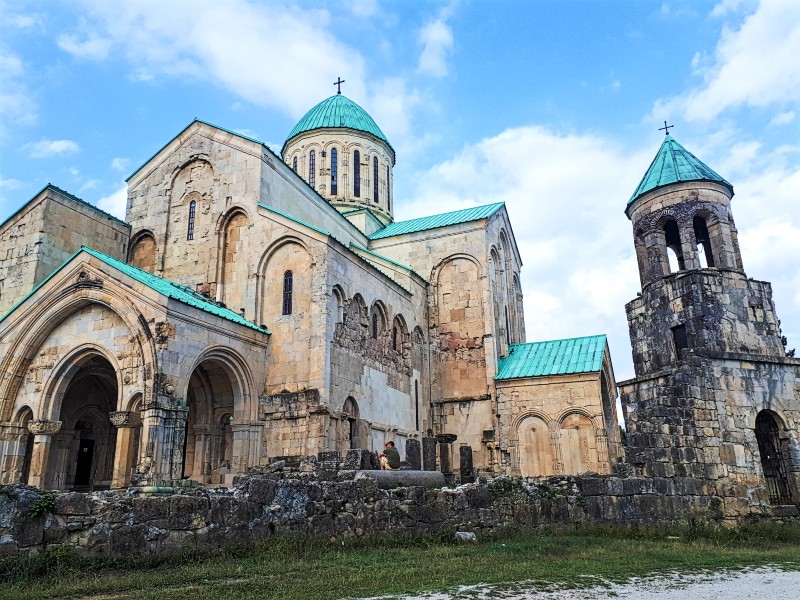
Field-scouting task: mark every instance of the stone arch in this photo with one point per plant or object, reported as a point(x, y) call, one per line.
point(774, 450)
point(707, 251)
point(577, 435)
point(535, 455)
point(232, 264)
point(357, 311)
point(339, 303)
point(81, 395)
point(378, 320)
point(288, 253)
point(220, 406)
point(673, 241)
point(399, 333)
point(142, 252)
point(351, 415)
point(51, 311)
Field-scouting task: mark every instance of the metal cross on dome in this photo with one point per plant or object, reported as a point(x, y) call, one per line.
point(665, 128)
point(340, 81)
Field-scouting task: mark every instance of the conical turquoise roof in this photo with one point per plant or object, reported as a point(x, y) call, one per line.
point(672, 164)
point(337, 111)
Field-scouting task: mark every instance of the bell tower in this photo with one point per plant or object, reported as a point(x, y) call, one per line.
point(706, 340)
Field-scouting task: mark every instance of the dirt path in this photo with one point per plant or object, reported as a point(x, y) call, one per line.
point(767, 583)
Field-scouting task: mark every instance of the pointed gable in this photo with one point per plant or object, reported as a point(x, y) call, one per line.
point(674, 163)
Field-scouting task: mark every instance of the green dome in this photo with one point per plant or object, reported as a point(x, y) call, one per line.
point(337, 111)
point(672, 164)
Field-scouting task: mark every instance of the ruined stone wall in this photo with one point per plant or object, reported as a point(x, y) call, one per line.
point(698, 419)
point(261, 506)
point(37, 240)
point(722, 311)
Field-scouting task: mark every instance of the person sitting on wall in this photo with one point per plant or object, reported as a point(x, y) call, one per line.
point(390, 457)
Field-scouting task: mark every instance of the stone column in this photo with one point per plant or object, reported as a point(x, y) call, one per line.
point(601, 440)
point(13, 440)
point(428, 454)
point(43, 430)
point(445, 440)
point(241, 447)
point(126, 422)
point(413, 454)
point(465, 465)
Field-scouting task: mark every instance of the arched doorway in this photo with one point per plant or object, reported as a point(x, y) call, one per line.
point(82, 455)
point(208, 450)
point(534, 448)
point(350, 413)
point(578, 447)
point(773, 449)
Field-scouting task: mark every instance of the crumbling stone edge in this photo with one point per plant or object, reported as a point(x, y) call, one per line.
point(316, 504)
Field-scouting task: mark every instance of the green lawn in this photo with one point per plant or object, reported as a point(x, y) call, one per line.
point(313, 569)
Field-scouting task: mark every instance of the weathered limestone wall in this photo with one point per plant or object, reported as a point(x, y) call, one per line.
point(557, 425)
point(38, 238)
point(261, 506)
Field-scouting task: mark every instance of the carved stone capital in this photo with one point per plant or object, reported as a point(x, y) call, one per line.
point(124, 418)
point(44, 427)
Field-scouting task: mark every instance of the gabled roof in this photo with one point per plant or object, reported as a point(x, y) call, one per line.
point(65, 193)
point(555, 357)
point(337, 111)
point(443, 220)
point(173, 290)
point(672, 164)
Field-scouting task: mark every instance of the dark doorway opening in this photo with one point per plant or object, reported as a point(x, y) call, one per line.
point(773, 458)
point(83, 471)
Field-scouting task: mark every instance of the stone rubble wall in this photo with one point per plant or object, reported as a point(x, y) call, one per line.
point(329, 504)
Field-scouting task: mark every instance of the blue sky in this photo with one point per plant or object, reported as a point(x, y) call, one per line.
point(550, 106)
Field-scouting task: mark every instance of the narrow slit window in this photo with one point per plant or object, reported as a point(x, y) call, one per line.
point(394, 339)
point(287, 293)
point(190, 227)
point(375, 179)
point(334, 172)
point(356, 174)
point(388, 193)
point(294, 164)
point(374, 325)
point(312, 162)
point(680, 338)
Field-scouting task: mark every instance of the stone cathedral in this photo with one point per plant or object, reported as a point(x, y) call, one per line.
point(254, 308)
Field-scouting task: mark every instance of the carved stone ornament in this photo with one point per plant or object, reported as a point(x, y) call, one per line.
point(44, 427)
point(124, 418)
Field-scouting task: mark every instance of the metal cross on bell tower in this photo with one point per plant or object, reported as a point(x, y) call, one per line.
point(666, 128)
point(339, 81)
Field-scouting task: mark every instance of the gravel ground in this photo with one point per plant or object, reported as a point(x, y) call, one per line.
point(769, 583)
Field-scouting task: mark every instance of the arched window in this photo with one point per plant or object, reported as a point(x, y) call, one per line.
point(388, 191)
point(334, 172)
point(672, 238)
point(374, 325)
point(356, 174)
point(287, 293)
point(375, 179)
point(394, 339)
point(294, 164)
point(703, 239)
point(312, 161)
point(190, 228)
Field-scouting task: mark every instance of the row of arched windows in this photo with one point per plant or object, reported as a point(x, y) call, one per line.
point(702, 242)
point(377, 322)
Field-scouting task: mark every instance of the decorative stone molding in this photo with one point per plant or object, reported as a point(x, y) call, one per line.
point(44, 427)
point(124, 418)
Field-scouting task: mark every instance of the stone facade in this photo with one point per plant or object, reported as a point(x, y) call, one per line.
point(243, 316)
point(715, 398)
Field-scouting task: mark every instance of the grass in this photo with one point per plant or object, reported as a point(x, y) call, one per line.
point(318, 570)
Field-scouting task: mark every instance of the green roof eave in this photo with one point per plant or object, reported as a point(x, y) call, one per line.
point(294, 219)
point(165, 287)
point(554, 357)
point(455, 217)
point(673, 164)
point(387, 259)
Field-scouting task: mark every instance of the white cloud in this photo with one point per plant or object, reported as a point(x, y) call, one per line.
point(18, 20)
point(92, 46)
point(755, 65)
point(783, 118)
point(89, 185)
point(10, 184)
point(229, 43)
point(566, 206)
point(362, 8)
point(116, 202)
point(436, 38)
point(46, 148)
point(120, 164)
point(15, 103)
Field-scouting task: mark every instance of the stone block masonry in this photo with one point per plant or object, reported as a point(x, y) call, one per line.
point(333, 504)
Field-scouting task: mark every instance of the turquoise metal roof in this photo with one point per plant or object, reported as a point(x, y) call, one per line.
point(556, 357)
point(173, 290)
point(443, 220)
point(337, 111)
point(672, 164)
